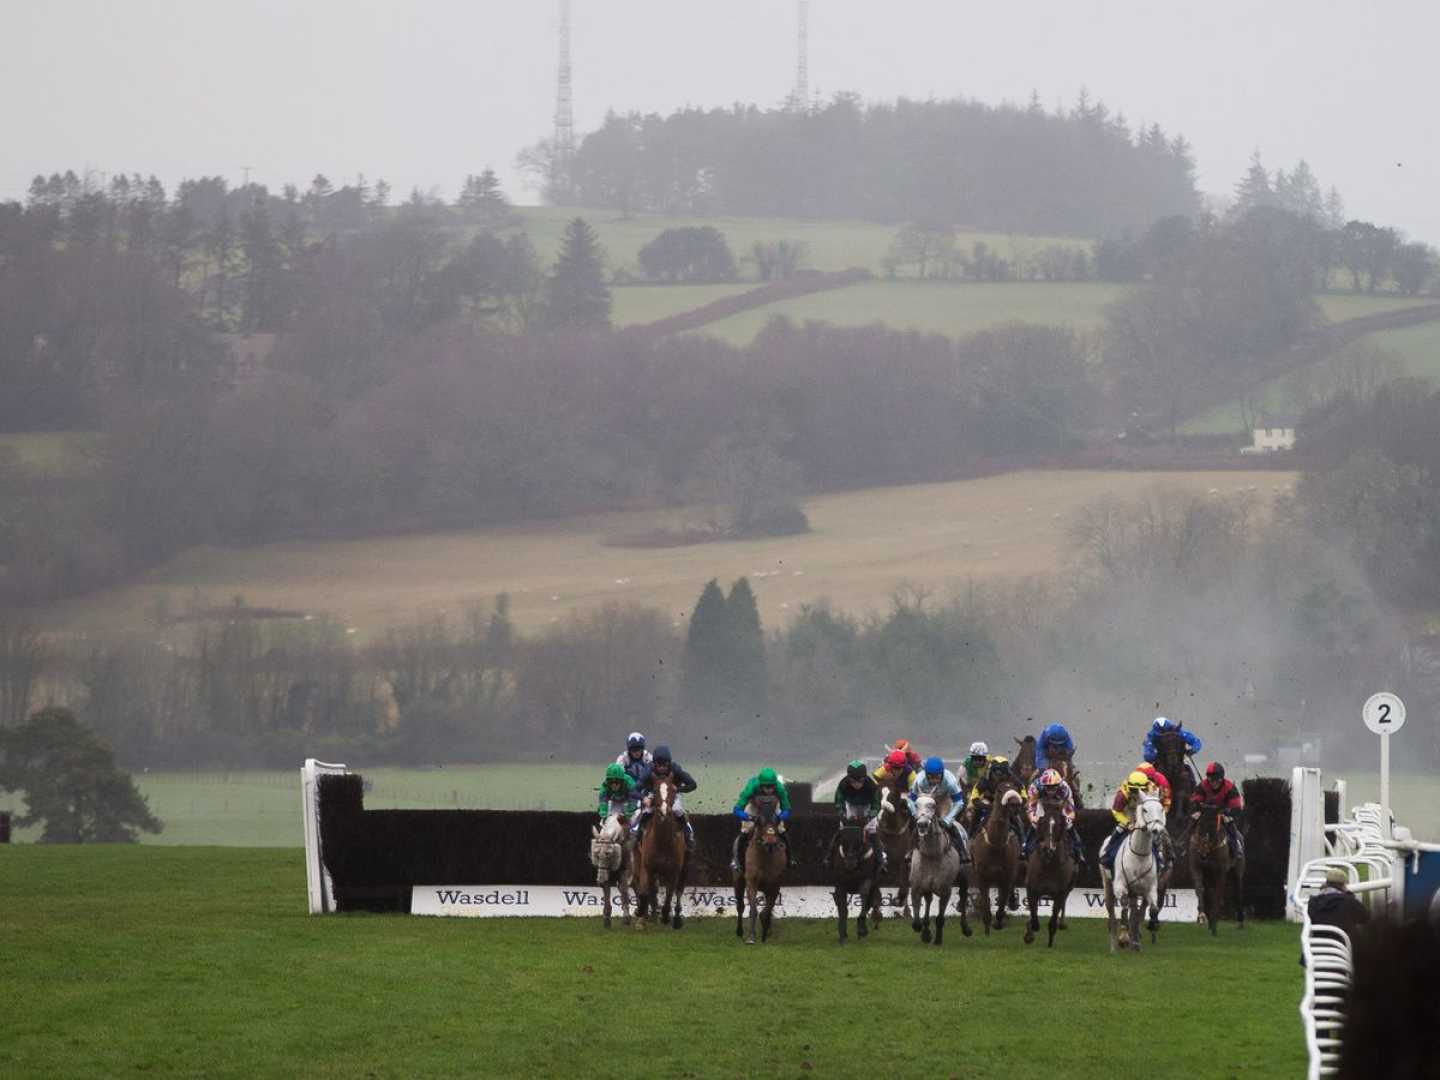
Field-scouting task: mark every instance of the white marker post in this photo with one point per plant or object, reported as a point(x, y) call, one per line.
point(1384, 714)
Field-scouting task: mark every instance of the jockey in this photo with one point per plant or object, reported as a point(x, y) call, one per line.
point(912, 757)
point(1053, 745)
point(1161, 782)
point(636, 759)
point(1160, 727)
point(663, 767)
point(1050, 786)
point(982, 794)
point(765, 782)
point(1215, 790)
point(617, 793)
point(1125, 806)
point(857, 798)
point(939, 782)
point(974, 766)
point(895, 766)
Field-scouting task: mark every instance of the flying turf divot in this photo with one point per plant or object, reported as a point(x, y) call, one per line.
point(803, 902)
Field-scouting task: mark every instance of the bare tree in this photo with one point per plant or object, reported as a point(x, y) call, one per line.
point(24, 655)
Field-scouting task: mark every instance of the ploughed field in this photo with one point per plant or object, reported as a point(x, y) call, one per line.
point(861, 547)
point(202, 962)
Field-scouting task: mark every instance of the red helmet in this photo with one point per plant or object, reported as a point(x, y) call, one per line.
point(896, 759)
point(1215, 771)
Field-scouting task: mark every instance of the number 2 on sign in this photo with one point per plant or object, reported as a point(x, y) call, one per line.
point(1384, 713)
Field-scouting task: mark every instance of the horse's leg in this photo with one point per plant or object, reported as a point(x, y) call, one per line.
point(842, 912)
point(752, 899)
point(1057, 912)
point(673, 894)
point(869, 892)
point(605, 910)
point(982, 900)
point(1219, 901)
point(771, 894)
point(923, 917)
point(1240, 894)
point(740, 908)
point(903, 900)
point(1032, 902)
point(1108, 884)
point(962, 903)
point(916, 923)
point(940, 905)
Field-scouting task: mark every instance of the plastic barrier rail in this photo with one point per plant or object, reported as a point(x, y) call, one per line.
point(318, 885)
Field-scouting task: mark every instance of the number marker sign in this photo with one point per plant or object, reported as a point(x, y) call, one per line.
point(1384, 714)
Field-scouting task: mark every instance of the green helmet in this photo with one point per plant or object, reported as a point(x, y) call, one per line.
point(767, 776)
point(615, 771)
point(856, 770)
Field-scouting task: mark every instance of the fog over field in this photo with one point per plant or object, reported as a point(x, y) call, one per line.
point(1064, 362)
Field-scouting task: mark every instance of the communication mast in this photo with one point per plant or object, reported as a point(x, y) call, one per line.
point(800, 96)
point(564, 138)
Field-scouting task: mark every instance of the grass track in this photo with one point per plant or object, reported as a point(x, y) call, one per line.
point(201, 962)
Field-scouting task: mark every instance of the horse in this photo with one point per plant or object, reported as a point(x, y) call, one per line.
point(934, 868)
point(1211, 866)
point(894, 832)
point(1025, 759)
point(1049, 871)
point(857, 869)
point(763, 869)
point(1171, 752)
point(614, 867)
point(996, 852)
point(1134, 883)
point(662, 859)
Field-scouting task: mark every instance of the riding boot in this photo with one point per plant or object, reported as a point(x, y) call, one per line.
point(689, 833)
point(879, 845)
point(1077, 849)
point(789, 855)
point(1028, 844)
point(1109, 848)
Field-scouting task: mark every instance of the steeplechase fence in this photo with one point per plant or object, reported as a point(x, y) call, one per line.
point(500, 862)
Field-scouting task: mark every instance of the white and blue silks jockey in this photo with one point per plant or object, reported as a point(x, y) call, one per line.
point(1055, 738)
point(939, 782)
point(636, 760)
point(1162, 726)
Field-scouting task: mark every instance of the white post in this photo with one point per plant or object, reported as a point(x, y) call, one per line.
point(1385, 785)
point(318, 886)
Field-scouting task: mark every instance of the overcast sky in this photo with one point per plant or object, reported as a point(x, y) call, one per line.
point(424, 91)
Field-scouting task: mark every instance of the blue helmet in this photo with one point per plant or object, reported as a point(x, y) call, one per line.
point(635, 741)
point(661, 755)
point(934, 766)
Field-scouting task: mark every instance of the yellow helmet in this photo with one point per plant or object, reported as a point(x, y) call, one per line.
point(1137, 779)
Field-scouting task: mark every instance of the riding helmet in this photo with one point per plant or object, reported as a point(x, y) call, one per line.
point(934, 766)
point(662, 754)
point(1137, 779)
point(856, 770)
point(1215, 771)
point(615, 771)
point(766, 777)
point(1051, 778)
point(979, 749)
point(635, 741)
point(896, 759)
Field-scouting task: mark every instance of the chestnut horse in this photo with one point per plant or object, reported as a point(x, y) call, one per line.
point(1049, 871)
point(764, 867)
point(1211, 866)
point(1025, 758)
point(857, 870)
point(995, 850)
point(662, 859)
point(614, 863)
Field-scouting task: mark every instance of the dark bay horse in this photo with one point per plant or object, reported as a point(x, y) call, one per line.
point(1050, 871)
point(1211, 867)
point(857, 866)
point(995, 850)
point(896, 832)
point(661, 859)
point(1170, 759)
point(763, 869)
point(1025, 758)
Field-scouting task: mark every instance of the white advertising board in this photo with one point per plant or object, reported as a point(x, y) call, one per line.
point(801, 901)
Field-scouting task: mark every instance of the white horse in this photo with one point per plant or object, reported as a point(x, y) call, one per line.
point(1134, 884)
point(934, 866)
point(611, 856)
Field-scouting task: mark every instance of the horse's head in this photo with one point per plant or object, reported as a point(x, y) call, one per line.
point(767, 823)
point(607, 847)
point(852, 849)
point(1151, 814)
point(1010, 802)
point(1170, 749)
point(1050, 834)
point(924, 815)
point(664, 798)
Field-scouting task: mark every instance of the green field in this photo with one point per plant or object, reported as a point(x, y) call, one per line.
point(54, 451)
point(202, 962)
point(261, 807)
point(830, 245)
point(942, 307)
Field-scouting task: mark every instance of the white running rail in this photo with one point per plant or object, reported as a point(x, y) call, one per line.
point(1358, 848)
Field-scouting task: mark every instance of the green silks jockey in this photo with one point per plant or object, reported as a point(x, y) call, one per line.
point(617, 792)
point(764, 783)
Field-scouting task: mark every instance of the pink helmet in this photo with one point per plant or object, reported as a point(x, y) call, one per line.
point(1051, 778)
point(896, 759)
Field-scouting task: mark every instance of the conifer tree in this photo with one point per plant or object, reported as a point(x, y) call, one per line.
point(1254, 189)
point(577, 297)
point(747, 677)
point(705, 647)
